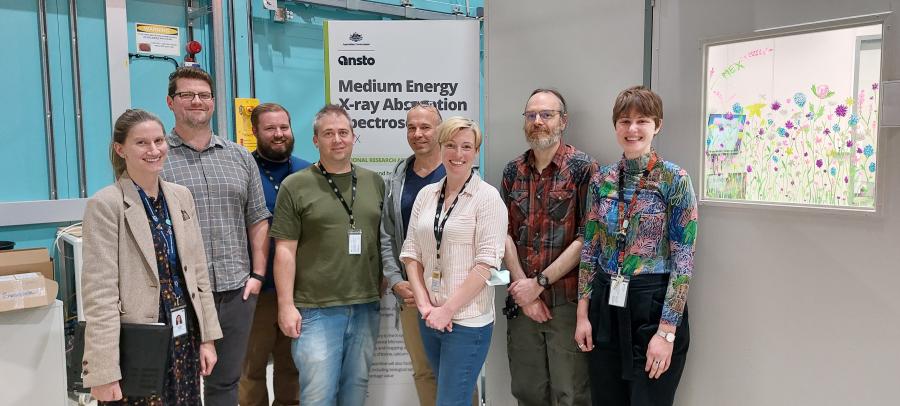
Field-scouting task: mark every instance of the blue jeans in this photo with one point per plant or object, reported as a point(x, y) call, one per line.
point(456, 359)
point(334, 353)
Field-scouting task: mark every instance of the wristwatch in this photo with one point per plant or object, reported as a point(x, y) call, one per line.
point(257, 276)
point(543, 281)
point(670, 337)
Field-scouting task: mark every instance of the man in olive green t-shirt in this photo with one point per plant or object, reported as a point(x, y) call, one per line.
point(328, 216)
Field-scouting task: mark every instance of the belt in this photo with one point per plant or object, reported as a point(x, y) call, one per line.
point(641, 289)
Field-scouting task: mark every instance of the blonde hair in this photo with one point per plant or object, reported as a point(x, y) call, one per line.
point(455, 124)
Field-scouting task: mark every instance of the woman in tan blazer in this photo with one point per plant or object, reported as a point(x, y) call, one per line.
point(144, 263)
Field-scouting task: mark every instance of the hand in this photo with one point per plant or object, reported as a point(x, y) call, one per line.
point(208, 357)
point(659, 356)
point(251, 287)
point(289, 321)
point(108, 392)
point(404, 290)
point(440, 319)
point(537, 311)
point(524, 291)
point(584, 334)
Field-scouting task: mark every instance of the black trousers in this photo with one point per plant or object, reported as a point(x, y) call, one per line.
point(621, 337)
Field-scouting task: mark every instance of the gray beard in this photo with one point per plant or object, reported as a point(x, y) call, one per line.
point(544, 143)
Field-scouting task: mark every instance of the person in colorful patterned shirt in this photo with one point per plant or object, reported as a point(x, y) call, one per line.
point(636, 264)
point(545, 190)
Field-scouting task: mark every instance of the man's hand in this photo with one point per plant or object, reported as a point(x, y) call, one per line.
point(208, 357)
point(404, 290)
point(537, 311)
point(524, 291)
point(290, 321)
point(252, 287)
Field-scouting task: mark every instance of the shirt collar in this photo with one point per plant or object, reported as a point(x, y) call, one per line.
point(559, 158)
point(175, 140)
point(470, 188)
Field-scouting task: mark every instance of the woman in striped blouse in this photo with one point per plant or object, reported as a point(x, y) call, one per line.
point(456, 234)
point(636, 264)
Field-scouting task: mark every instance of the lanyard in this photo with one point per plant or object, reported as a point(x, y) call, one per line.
point(623, 214)
point(264, 165)
point(337, 192)
point(439, 226)
point(163, 226)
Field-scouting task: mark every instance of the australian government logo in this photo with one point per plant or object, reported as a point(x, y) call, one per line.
point(356, 40)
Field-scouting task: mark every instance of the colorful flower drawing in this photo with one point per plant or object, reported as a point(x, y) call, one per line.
point(800, 143)
point(840, 110)
point(800, 99)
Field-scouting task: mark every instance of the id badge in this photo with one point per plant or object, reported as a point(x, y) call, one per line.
point(618, 291)
point(354, 241)
point(179, 321)
point(436, 279)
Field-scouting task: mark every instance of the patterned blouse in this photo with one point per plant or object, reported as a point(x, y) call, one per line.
point(662, 234)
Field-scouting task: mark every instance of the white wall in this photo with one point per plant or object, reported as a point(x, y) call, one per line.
point(587, 49)
point(787, 307)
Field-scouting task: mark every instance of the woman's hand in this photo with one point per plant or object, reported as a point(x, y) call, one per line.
point(108, 392)
point(208, 357)
point(425, 308)
point(659, 356)
point(584, 334)
point(440, 318)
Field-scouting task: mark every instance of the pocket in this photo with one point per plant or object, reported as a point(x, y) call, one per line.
point(560, 202)
point(460, 229)
point(310, 314)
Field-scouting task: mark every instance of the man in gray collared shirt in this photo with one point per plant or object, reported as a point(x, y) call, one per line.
point(231, 207)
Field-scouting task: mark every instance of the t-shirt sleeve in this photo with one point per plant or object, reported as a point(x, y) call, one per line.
point(286, 224)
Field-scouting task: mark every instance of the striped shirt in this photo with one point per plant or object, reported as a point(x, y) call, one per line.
point(224, 180)
point(474, 233)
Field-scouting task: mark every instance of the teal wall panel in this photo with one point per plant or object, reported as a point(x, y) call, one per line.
point(288, 65)
point(22, 132)
point(95, 109)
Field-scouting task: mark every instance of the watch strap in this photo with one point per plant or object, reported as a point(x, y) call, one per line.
point(257, 276)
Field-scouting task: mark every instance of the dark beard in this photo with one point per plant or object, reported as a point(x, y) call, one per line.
point(273, 155)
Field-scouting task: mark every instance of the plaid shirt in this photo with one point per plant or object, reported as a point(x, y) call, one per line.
point(224, 180)
point(546, 213)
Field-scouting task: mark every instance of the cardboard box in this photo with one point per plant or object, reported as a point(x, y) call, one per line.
point(22, 291)
point(26, 260)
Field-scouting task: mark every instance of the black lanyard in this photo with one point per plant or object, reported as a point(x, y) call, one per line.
point(439, 225)
point(626, 214)
point(337, 192)
point(262, 164)
point(163, 226)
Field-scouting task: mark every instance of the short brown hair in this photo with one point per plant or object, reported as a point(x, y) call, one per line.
point(330, 109)
point(128, 120)
point(188, 72)
point(640, 99)
point(453, 125)
point(266, 108)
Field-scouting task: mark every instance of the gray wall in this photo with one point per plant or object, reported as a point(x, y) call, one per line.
point(787, 307)
point(589, 50)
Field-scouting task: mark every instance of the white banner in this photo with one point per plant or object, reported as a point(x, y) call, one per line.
point(377, 70)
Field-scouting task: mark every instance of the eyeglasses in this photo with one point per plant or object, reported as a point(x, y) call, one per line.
point(189, 96)
point(544, 114)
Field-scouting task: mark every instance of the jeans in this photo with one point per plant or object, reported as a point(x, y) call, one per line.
point(334, 353)
point(456, 359)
